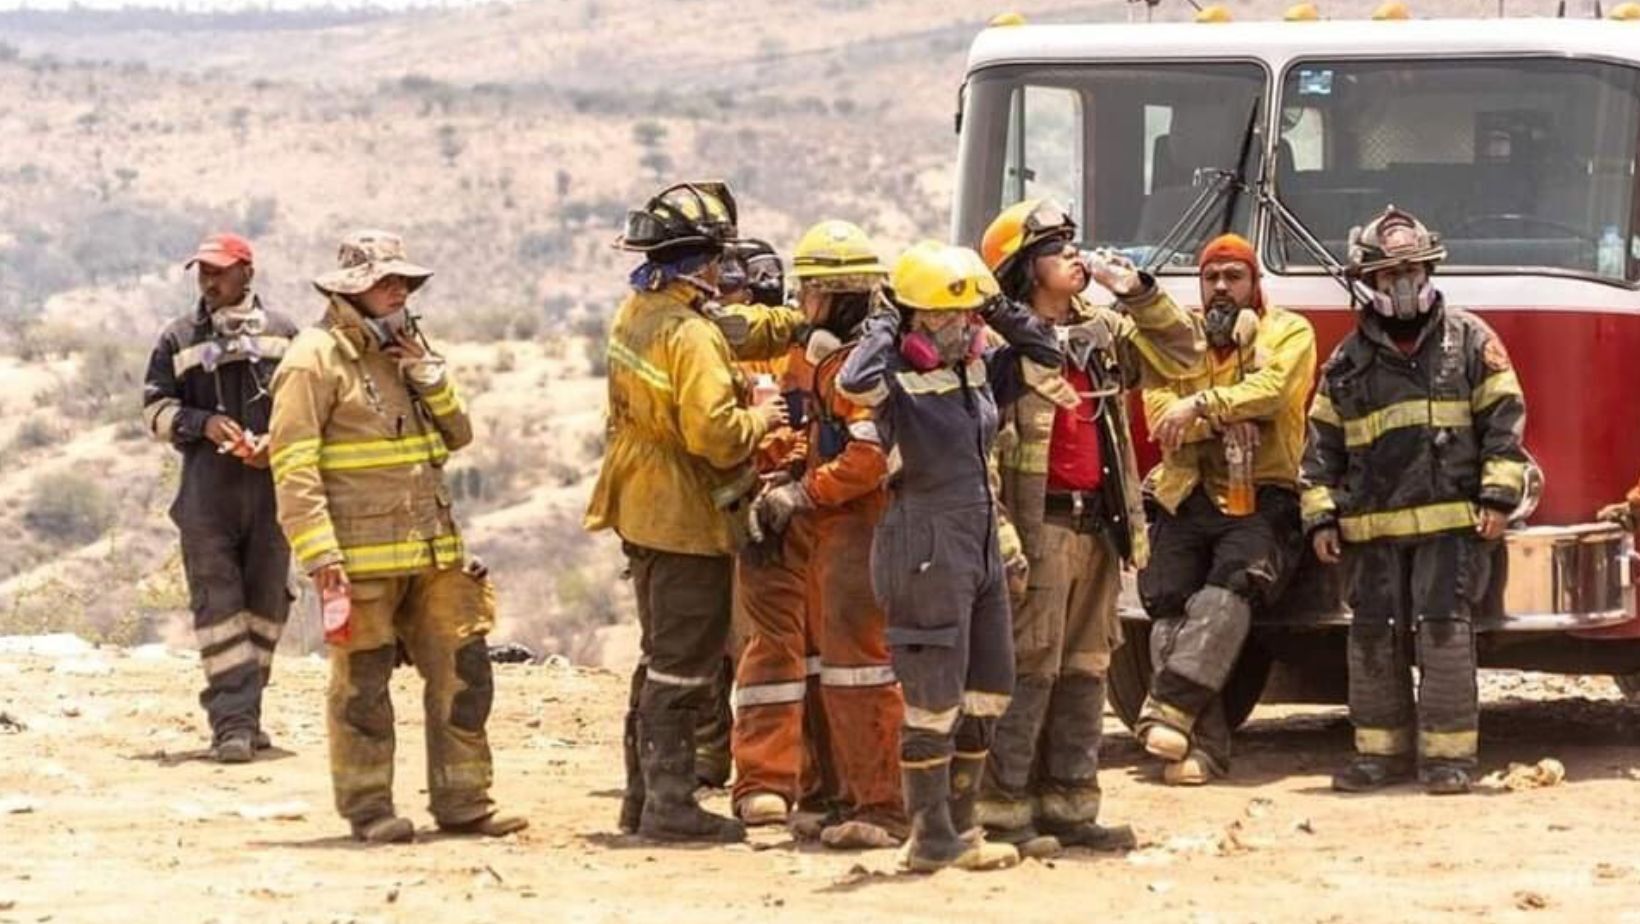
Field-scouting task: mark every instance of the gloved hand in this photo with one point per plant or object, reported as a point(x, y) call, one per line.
point(1049, 383)
point(1620, 513)
point(883, 307)
point(424, 372)
point(735, 326)
point(1017, 569)
point(773, 510)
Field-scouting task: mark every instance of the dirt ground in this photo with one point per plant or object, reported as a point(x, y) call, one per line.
point(107, 812)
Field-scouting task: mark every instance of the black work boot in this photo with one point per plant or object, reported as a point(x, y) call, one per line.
point(934, 843)
point(1444, 779)
point(632, 800)
point(235, 747)
point(666, 740)
point(1367, 772)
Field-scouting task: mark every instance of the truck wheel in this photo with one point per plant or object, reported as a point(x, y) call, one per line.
point(1628, 683)
point(1130, 672)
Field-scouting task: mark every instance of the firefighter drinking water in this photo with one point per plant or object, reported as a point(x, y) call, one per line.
point(1227, 522)
point(1414, 463)
point(676, 486)
point(936, 565)
point(810, 607)
point(365, 417)
point(206, 393)
point(1071, 488)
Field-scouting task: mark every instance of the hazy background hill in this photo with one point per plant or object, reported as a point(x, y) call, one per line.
point(505, 142)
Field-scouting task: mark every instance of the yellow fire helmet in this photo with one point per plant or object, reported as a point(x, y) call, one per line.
point(1392, 10)
point(835, 248)
point(1019, 227)
point(1302, 12)
point(931, 276)
point(1625, 12)
point(1218, 12)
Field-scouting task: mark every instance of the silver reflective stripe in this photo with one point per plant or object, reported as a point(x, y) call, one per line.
point(241, 652)
point(872, 397)
point(264, 627)
point(871, 675)
point(769, 694)
point(161, 417)
point(939, 722)
point(267, 347)
point(984, 705)
point(865, 431)
point(231, 627)
point(675, 680)
point(814, 666)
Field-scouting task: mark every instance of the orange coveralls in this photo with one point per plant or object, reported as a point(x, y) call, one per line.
point(812, 614)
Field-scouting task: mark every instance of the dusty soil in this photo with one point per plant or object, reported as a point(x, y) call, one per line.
point(107, 812)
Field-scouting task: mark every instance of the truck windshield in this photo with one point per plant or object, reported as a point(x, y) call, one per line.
point(1128, 147)
point(1518, 164)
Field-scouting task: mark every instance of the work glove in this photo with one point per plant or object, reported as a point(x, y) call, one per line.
point(737, 329)
point(1017, 569)
point(1049, 383)
point(1620, 513)
point(424, 372)
point(773, 510)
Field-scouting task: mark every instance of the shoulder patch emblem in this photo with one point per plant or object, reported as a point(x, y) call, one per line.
point(1495, 356)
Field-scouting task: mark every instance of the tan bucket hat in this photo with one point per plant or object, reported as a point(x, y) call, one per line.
point(366, 258)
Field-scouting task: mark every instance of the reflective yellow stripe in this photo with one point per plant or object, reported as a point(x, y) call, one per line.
point(1495, 388)
point(362, 454)
point(1029, 458)
point(1448, 745)
point(1322, 411)
point(443, 402)
point(1504, 473)
point(1409, 521)
point(1421, 413)
point(310, 544)
point(651, 374)
point(928, 764)
point(1383, 742)
point(1154, 710)
point(292, 456)
point(1317, 502)
point(412, 555)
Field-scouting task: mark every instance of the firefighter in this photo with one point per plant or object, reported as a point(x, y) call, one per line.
point(1071, 488)
point(1414, 463)
point(936, 564)
point(676, 486)
point(365, 417)
point(811, 603)
point(206, 393)
point(1226, 531)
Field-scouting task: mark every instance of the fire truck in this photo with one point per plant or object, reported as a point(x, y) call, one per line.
point(1516, 139)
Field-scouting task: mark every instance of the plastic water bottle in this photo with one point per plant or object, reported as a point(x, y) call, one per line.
point(1243, 492)
point(1609, 256)
point(336, 609)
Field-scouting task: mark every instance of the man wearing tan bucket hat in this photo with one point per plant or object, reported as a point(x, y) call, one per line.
point(364, 418)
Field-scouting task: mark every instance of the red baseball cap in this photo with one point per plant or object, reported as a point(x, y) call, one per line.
point(222, 251)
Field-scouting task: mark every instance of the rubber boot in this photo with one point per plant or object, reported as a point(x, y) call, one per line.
point(934, 843)
point(632, 800)
point(666, 740)
point(967, 770)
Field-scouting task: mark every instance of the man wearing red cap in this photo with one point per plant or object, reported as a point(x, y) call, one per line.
point(1227, 532)
point(206, 393)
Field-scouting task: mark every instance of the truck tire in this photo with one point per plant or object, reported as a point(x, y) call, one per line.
point(1130, 672)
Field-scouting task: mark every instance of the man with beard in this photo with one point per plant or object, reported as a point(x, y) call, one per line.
point(206, 393)
point(1425, 390)
point(1226, 530)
